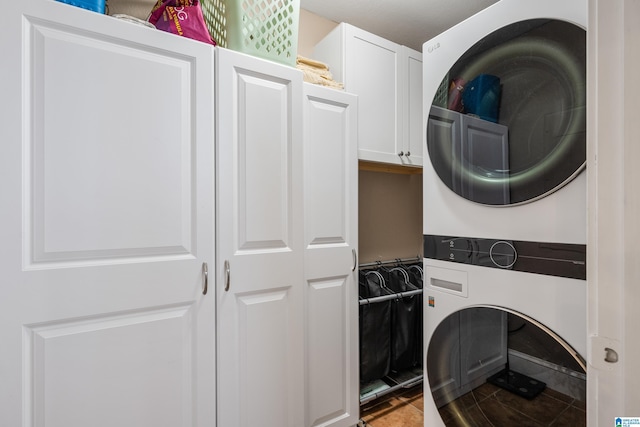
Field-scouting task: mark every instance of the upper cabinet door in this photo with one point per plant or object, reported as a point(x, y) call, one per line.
point(260, 243)
point(107, 222)
point(331, 237)
point(372, 72)
point(413, 134)
point(369, 67)
point(387, 78)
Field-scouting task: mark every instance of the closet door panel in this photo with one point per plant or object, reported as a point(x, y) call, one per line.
point(263, 164)
point(107, 221)
point(329, 394)
point(260, 263)
point(331, 307)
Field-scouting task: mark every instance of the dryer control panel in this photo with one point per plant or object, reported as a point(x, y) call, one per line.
point(553, 259)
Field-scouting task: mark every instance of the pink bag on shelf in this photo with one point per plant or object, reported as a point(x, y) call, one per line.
point(456, 87)
point(181, 17)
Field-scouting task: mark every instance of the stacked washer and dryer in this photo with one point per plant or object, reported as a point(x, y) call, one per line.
point(505, 203)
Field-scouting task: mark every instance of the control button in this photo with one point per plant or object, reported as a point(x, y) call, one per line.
point(503, 254)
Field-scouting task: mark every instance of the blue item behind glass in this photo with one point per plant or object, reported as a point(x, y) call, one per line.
point(94, 5)
point(481, 97)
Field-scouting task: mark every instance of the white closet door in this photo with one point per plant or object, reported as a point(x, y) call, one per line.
point(260, 257)
point(331, 236)
point(107, 220)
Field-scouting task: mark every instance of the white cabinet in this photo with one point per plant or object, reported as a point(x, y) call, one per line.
point(287, 235)
point(260, 256)
point(107, 222)
point(155, 262)
point(387, 78)
point(330, 257)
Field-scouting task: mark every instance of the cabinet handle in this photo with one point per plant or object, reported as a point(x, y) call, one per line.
point(408, 153)
point(227, 275)
point(355, 259)
point(205, 276)
point(401, 153)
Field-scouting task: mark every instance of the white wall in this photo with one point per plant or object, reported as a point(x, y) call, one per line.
point(138, 8)
point(389, 216)
point(312, 29)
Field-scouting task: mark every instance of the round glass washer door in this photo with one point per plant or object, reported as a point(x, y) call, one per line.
point(508, 123)
point(491, 366)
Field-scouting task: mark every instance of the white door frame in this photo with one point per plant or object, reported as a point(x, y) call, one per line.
point(613, 210)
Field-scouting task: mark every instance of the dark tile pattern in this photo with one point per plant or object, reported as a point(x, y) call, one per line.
point(486, 406)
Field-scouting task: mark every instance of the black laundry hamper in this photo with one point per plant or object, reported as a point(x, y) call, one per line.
point(375, 330)
point(416, 278)
point(404, 319)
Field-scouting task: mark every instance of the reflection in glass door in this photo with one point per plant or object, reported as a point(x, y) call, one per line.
point(488, 366)
point(508, 123)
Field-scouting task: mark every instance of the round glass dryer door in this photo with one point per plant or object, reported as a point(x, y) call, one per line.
point(508, 123)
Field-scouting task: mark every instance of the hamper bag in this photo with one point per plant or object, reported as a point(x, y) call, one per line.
point(403, 322)
point(374, 324)
point(416, 277)
point(263, 28)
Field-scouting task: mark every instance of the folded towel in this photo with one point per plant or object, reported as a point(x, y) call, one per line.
point(311, 62)
point(316, 72)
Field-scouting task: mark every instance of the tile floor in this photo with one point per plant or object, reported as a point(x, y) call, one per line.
point(487, 405)
point(403, 408)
